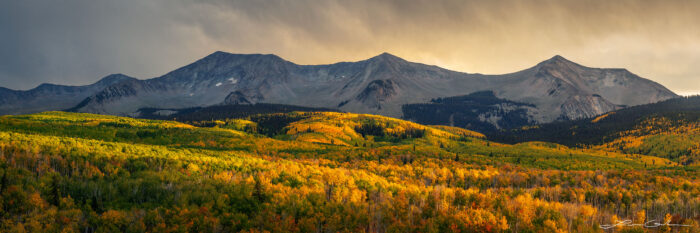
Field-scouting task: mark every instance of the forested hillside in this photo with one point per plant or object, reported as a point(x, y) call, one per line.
point(669, 129)
point(318, 172)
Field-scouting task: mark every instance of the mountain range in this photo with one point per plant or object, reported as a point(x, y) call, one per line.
point(47, 97)
point(555, 89)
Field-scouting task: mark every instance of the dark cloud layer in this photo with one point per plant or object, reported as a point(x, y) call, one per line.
point(77, 42)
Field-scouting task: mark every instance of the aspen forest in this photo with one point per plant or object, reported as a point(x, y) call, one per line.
point(322, 172)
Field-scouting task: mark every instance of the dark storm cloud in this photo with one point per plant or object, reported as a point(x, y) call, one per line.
point(76, 42)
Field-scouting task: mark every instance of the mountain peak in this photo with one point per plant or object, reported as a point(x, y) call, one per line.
point(216, 55)
point(225, 59)
point(219, 52)
point(559, 58)
point(387, 57)
point(557, 61)
point(45, 86)
point(112, 79)
point(226, 55)
point(386, 54)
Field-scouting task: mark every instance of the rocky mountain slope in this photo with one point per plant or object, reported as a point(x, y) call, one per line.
point(47, 97)
point(558, 88)
point(480, 111)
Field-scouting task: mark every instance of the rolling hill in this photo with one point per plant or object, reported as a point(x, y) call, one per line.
point(317, 171)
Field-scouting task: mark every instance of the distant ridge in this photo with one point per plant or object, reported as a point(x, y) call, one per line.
point(47, 97)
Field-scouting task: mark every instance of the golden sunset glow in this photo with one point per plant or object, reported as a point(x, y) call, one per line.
point(659, 40)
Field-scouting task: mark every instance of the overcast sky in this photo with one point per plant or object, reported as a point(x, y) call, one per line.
point(78, 42)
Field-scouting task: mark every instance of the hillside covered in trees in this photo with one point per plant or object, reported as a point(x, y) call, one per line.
point(319, 172)
point(669, 129)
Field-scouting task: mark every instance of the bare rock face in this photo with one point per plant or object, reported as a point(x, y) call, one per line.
point(577, 107)
point(377, 92)
point(555, 89)
point(240, 98)
point(481, 111)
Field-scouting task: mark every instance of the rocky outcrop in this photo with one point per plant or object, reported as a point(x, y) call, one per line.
point(377, 92)
point(238, 98)
point(577, 107)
